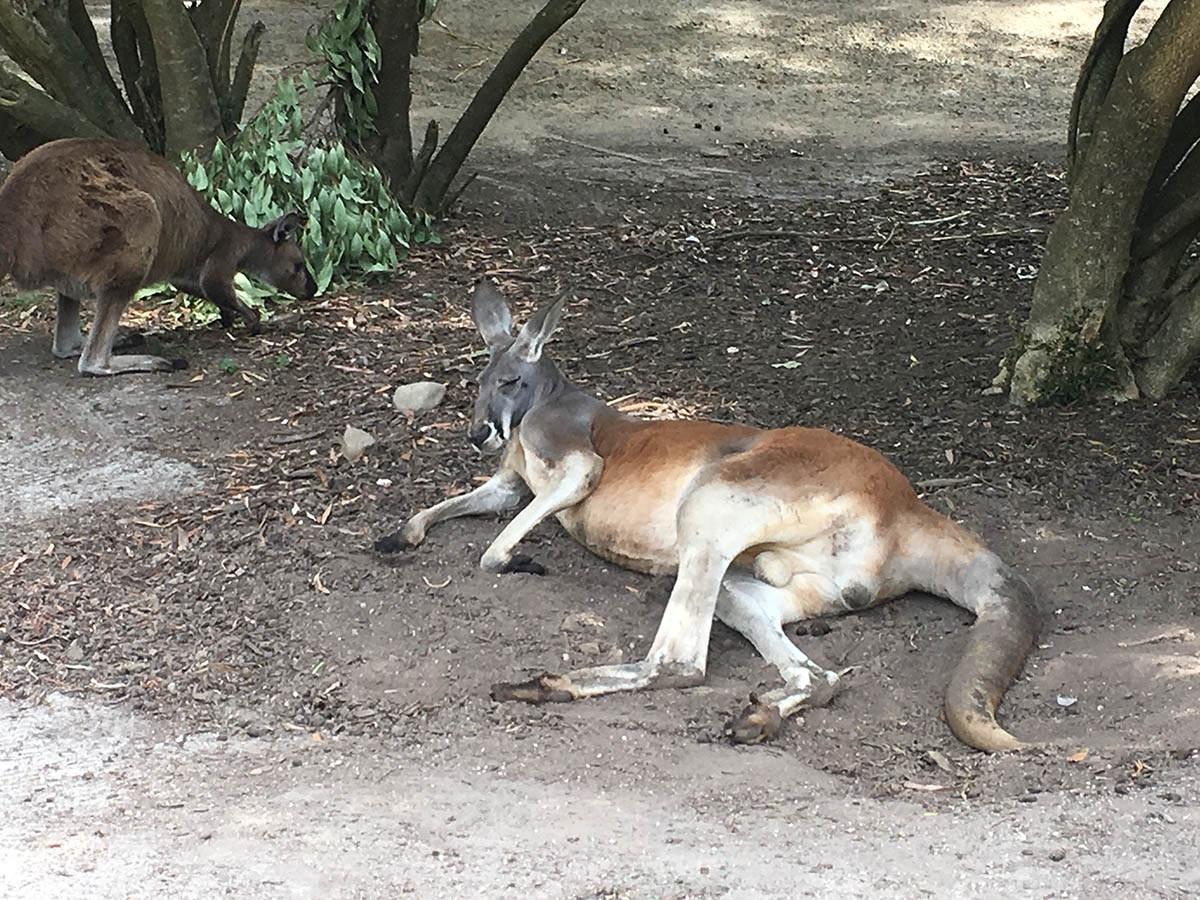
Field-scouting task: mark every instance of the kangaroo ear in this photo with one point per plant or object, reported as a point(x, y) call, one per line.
point(490, 312)
point(285, 227)
point(534, 334)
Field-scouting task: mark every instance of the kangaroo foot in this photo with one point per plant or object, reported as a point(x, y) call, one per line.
point(119, 365)
point(756, 723)
point(546, 688)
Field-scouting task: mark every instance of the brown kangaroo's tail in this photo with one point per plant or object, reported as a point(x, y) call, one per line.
point(1006, 627)
point(951, 562)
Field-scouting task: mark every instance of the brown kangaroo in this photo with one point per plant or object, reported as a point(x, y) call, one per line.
point(762, 528)
point(102, 218)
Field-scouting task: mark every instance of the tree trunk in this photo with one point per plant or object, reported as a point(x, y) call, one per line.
point(431, 191)
point(395, 26)
point(1072, 345)
point(191, 115)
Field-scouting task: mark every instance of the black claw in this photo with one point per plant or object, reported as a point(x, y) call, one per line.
point(524, 565)
point(392, 543)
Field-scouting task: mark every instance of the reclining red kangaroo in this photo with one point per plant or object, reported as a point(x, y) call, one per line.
point(762, 528)
point(103, 218)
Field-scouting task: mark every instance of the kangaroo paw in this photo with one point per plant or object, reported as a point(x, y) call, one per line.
point(756, 723)
point(545, 688)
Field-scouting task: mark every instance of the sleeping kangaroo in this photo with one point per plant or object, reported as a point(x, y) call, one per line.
point(102, 218)
point(762, 528)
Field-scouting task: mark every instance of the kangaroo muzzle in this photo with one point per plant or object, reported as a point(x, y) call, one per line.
point(485, 438)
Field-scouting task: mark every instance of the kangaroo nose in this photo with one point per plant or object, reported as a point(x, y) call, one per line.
point(479, 434)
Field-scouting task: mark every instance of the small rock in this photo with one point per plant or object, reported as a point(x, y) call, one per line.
point(819, 628)
point(419, 395)
point(74, 651)
point(354, 442)
point(1058, 854)
point(257, 729)
point(591, 648)
point(581, 621)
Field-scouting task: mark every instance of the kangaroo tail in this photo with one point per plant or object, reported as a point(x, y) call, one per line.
point(957, 566)
point(1006, 626)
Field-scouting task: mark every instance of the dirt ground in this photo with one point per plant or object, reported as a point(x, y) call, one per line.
point(825, 214)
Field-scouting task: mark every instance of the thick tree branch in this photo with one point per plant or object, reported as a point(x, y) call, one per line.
point(1096, 75)
point(1181, 217)
point(42, 41)
point(235, 102)
point(487, 99)
point(191, 117)
point(1185, 132)
point(85, 31)
point(213, 21)
point(134, 49)
point(420, 163)
point(1172, 348)
point(395, 25)
point(27, 113)
point(26, 44)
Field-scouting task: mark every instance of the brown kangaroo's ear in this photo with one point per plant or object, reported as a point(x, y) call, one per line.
point(285, 227)
point(490, 312)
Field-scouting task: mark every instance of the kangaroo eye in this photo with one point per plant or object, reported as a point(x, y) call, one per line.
point(298, 267)
point(509, 382)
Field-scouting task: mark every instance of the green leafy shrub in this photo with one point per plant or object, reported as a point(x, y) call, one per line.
point(354, 223)
point(346, 41)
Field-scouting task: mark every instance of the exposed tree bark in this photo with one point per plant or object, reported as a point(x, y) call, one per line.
point(191, 117)
point(1173, 347)
point(22, 104)
point(134, 49)
point(41, 40)
point(1073, 334)
point(395, 26)
point(239, 88)
point(1096, 76)
point(213, 21)
point(85, 31)
point(174, 88)
point(432, 190)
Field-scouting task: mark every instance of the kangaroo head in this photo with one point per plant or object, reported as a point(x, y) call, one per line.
point(278, 260)
point(517, 377)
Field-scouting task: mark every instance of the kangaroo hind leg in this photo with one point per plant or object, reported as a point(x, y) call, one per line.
point(677, 656)
point(758, 611)
point(97, 357)
point(68, 336)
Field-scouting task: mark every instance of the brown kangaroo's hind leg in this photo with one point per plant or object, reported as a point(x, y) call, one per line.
point(98, 358)
point(68, 336)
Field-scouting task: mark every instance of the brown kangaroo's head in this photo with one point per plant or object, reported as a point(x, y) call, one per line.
point(517, 377)
point(276, 258)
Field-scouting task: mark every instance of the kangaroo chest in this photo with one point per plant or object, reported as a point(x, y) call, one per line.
point(629, 514)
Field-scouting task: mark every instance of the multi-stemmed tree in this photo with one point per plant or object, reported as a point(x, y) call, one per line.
point(1116, 308)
